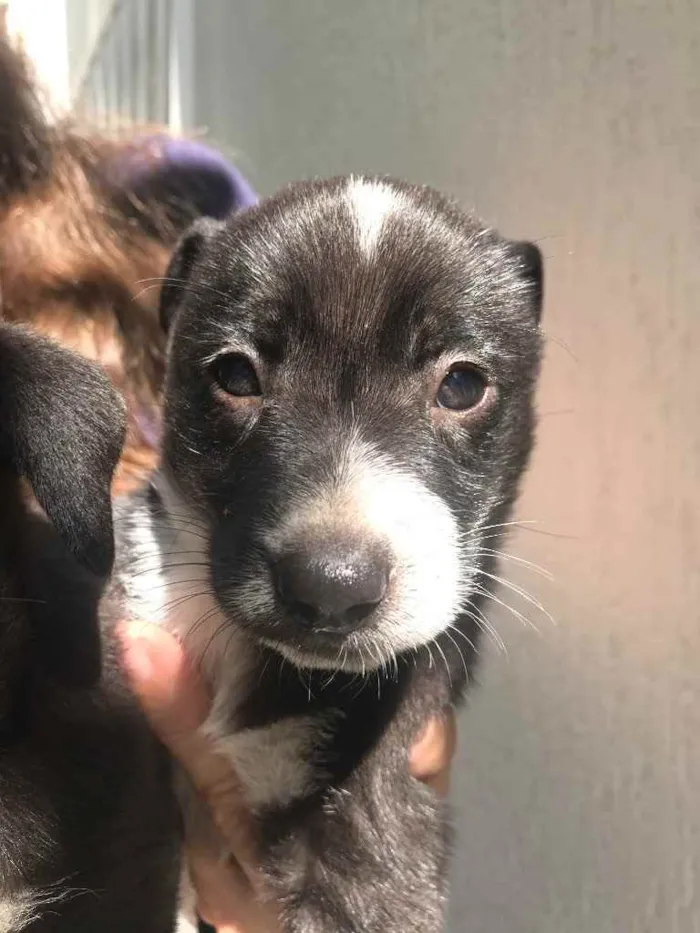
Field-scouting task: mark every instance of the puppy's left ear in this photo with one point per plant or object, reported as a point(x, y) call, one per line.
point(62, 428)
point(187, 253)
point(531, 264)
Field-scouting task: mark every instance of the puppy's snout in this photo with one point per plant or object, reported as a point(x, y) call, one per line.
point(330, 587)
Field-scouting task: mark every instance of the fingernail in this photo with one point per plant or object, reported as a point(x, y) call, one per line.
point(153, 661)
point(138, 650)
point(138, 658)
point(425, 737)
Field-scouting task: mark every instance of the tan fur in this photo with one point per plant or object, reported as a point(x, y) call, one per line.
point(71, 275)
point(80, 261)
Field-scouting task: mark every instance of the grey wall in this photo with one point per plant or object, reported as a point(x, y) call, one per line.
point(84, 23)
point(125, 63)
point(575, 122)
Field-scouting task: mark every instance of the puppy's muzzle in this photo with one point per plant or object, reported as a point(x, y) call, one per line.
point(331, 588)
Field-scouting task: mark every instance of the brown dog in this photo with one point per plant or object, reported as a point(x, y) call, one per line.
point(86, 228)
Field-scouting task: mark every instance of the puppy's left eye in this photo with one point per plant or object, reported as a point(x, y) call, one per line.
point(462, 389)
point(236, 376)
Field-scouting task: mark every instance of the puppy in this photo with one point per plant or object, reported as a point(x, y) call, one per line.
point(87, 225)
point(89, 831)
point(348, 412)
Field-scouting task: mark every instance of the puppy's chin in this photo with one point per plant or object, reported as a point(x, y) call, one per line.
point(371, 648)
point(355, 654)
point(314, 661)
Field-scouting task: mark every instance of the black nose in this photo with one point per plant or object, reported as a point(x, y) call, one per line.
point(330, 587)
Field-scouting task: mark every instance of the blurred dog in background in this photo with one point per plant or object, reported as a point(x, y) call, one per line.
point(87, 224)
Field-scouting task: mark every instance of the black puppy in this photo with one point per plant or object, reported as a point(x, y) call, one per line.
point(349, 411)
point(89, 833)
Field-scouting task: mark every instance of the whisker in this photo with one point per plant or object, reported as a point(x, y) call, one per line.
point(22, 599)
point(220, 629)
point(503, 555)
point(447, 666)
point(283, 661)
point(156, 551)
point(174, 583)
point(181, 525)
point(524, 524)
point(516, 523)
point(201, 621)
point(483, 623)
point(528, 623)
point(181, 600)
point(265, 667)
point(171, 566)
point(159, 281)
point(458, 631)
point(459, 652)
point(307, 685)
point(519, 591)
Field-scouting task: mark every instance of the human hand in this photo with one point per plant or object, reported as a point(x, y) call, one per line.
point(177, 702)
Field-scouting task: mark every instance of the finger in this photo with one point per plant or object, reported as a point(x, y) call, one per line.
point(226, 900)
point(176, 702)
point(431, 755)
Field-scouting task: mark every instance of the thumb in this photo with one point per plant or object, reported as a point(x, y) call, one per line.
point(175, 700)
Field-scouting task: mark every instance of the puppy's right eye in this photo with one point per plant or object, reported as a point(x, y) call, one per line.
point(236, 376)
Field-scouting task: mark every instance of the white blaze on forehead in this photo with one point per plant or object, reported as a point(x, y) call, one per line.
point(375, 498)
point(371, 202)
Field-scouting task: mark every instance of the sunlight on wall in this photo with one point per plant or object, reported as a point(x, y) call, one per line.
point(41, 28)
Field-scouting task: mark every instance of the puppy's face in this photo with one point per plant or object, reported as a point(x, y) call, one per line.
point(349, 407)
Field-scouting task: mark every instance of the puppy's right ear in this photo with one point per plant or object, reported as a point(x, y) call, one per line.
point(179, 272)
point(531, 263)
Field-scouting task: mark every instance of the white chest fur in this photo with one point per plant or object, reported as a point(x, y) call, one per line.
point(166, 579)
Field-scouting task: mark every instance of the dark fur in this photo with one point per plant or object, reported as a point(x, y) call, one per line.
point(88, 830)
point(349, 345)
